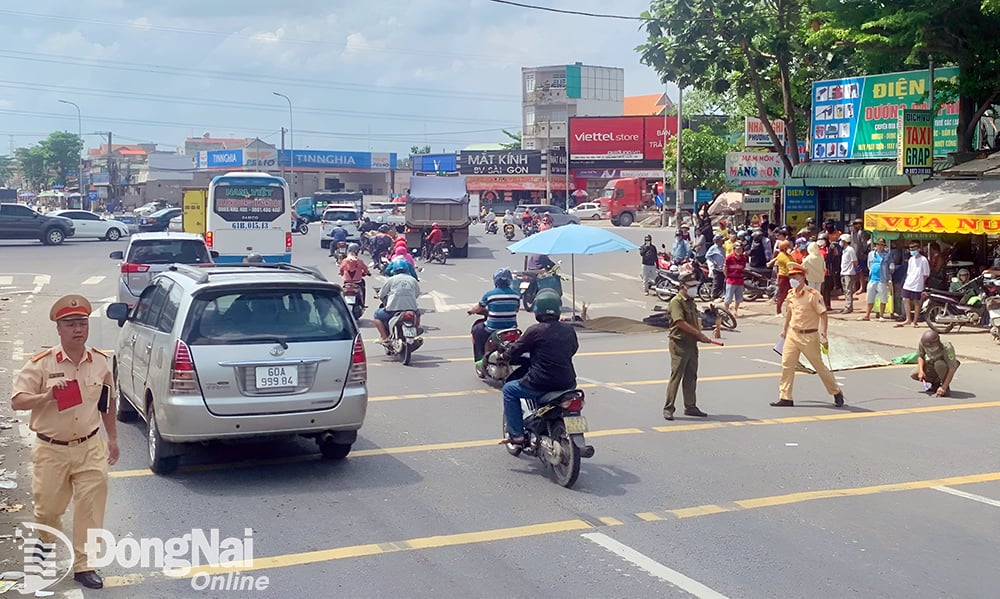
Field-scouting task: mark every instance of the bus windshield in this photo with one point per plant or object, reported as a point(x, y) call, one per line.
point(249, 213)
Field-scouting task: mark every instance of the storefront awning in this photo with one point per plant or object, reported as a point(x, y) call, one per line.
point(941, 206)
point(853, 174)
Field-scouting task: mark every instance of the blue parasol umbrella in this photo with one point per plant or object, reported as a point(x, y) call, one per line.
point(573, 240)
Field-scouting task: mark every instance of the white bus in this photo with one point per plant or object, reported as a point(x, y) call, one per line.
point(249, 213)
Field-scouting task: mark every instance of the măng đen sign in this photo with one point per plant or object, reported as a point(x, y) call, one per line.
point(915, 142)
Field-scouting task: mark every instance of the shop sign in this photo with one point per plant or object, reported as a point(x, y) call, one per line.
point(755, 135)
point(754, 169)
point(757, 202)
point(500, 162)
point(223, 158)
point(263, 159)
point(857, 118)
point(800, 205)
point(619, 141)
point(555, 161)
point(933, 223)
point(511, 183)
point(915, 147)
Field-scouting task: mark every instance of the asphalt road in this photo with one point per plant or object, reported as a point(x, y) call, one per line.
point(895, 495)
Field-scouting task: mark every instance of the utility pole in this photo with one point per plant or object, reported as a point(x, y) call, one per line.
point(282, 161)
point(680, 126)
point(111, 174)
point(79, 164)
point(548, 163)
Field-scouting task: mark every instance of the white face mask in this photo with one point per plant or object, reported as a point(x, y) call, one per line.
point(821, 243)
point(691, 287)
point(794, 282)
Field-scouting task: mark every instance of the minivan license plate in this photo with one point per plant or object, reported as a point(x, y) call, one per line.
point(270, 377)
point(575, 424)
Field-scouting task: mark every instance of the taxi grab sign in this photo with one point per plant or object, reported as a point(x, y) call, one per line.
point(915, 143)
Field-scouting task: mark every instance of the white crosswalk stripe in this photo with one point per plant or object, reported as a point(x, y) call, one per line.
point(94, 280)
point(594, 275)
point(7, 280)
point(622, 275)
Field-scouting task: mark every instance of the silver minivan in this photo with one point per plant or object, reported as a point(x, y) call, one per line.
point(148, 254)
point(240, 351)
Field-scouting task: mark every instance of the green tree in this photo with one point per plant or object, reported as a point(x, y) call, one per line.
point(417, 150)
point(515, 143)
point(962, 32)
point(31, 163)
point(7, 164)
point(703, 159)
point(62, 152)
point(740, 47)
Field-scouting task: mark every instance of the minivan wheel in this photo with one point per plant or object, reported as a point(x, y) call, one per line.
point(158, 462)
point(54, 236)
point(334, 451)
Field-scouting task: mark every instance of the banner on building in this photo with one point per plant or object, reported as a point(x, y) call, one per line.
point(619, 142)
point(754, 169)
point(500, 162)
point(755, 135)
point(857, 118)
point(915, 146)
point(800, 205)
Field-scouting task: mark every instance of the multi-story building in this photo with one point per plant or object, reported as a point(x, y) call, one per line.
point(552, 94)
point(193, 145)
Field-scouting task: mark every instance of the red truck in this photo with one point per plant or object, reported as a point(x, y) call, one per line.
point(623, 199)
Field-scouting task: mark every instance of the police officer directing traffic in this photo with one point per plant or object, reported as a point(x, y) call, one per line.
point(685, 333)
point(70, 459)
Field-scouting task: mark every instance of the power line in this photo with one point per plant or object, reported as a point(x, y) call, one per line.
point(569, 12)
point(109, 93)
point(119, 65)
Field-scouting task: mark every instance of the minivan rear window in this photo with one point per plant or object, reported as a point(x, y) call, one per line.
point(268, 315)
point(344, 215)
point(168, 251)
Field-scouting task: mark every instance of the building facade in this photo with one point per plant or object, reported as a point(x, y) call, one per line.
point(552, 94)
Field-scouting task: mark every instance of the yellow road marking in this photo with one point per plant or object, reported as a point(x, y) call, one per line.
point(560, 526)
point(631, 352)
point(616, 432)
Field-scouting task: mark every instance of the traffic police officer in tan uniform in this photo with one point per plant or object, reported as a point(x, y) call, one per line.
point(69, 457)
point(804, 334)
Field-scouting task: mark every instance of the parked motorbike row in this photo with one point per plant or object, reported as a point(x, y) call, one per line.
point(974, 304)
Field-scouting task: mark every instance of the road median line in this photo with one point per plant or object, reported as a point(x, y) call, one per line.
point(551, 528)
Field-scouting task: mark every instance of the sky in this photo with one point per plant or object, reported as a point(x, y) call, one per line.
point(380, 75)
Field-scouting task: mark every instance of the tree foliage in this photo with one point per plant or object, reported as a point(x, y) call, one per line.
point(515, 140)
point(62, 152)
point(703, 159)
point(31, 163)
point(876, 34)
point(7, 164)
point(417, 150)
point(744, 48)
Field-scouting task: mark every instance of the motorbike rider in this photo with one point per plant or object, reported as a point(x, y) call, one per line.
point(499, 305)
point(381, 243)
point(960, 281)
point(367, 226)
point(545, 223)
point(491, 217)
point(551, 345)
point(354, 269)
point(716, 258)
point(398, 294)
point(508, 217)
point(758, 254)
point(539, 262)
point(433, 239)
point(337, 235)
point(526, 219)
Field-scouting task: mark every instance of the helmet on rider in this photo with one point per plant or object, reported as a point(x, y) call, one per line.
point(400, 251)
point(383, 229)
point(507, 212)
point(353, 248)
point(718, 238)
point(963, 273)
point(435, 226)
point(548, 304)
point(502, 278)
point(340, 223)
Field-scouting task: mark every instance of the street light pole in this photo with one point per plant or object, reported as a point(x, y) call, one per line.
point(291, 131)
point(79, 133)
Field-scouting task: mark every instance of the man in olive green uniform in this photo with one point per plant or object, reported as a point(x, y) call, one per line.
point(69, 458)
point(936, 364)
point(685, 333)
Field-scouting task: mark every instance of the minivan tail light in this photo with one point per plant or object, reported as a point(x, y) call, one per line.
point(209, 238)
point(358, 373)
point(183, 378)
point(132, 267)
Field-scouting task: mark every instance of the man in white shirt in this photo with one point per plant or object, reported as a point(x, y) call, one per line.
point(918, 270)
point(848, 272)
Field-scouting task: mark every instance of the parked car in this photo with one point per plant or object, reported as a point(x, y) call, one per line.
point(559, 218)
point(17, 221)
point(148, 254)
point(347, 215)
point(90, 225)
point(149, 208)
point(240, 351)
point(176, 223)
point(159, 220)
point(587, 210)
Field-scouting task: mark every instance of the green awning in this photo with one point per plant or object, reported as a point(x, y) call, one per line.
point(855, 174)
